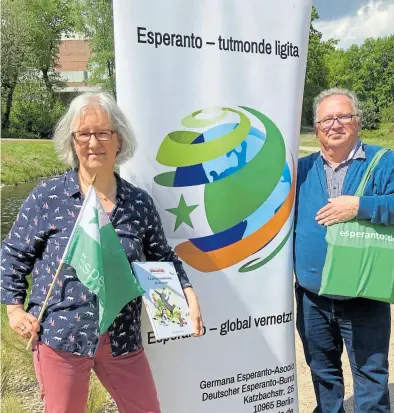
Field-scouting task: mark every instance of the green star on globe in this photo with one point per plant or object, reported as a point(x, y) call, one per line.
point(182, 213)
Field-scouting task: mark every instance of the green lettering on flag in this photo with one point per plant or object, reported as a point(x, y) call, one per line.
point(95, 252)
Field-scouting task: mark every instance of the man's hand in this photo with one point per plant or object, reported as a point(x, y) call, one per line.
point(341, 209)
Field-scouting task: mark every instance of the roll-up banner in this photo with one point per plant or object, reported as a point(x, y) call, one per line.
point(213, 90)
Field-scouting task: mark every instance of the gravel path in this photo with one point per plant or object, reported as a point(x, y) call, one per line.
point(29, 391)
point(309, 148)
point(305, 388)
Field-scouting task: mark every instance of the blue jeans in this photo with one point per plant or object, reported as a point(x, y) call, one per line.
point(324, 324)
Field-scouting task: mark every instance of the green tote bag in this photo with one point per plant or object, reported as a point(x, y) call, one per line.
point(360, 255)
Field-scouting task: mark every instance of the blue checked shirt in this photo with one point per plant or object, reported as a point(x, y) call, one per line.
point(335, 177)
point(36, 244)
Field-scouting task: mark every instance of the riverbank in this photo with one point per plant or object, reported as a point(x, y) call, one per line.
point(25, 160)
point(28, 160)
point(19, 388)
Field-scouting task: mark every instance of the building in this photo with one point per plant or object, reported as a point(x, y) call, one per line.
point(74, 53)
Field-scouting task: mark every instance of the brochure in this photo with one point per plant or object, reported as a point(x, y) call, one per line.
point(164, 299)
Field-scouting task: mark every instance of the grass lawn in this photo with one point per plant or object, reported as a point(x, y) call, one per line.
point(16, 366)
point(27, 160)
point(24, 161)
point(19, 387)
point(303, 153)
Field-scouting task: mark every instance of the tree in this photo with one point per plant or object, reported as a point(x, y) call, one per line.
point(96, 22)
point(376, 74)
point(368, 70)
point(15, 52)
point(50, 20)
point(342, 65)
point(31, 34)
point(316, 78)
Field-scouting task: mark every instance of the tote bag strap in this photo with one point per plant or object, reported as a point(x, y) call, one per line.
point(370, 169)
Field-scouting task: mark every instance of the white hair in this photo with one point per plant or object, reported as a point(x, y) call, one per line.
point(335, 91)
point(63, 132)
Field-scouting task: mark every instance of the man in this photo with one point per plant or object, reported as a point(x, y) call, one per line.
point(327, 181)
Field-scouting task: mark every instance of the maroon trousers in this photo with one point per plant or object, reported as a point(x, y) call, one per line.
point(64, 379)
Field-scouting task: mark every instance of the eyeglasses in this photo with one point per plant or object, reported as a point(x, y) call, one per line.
point(102, 135)
point(327, 123)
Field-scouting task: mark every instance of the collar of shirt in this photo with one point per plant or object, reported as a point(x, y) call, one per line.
point(356, 153)
point(72, 187)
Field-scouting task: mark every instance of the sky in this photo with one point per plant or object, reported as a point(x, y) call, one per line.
point(352, 21)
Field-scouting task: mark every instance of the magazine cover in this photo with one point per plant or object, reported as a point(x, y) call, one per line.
point(164, 299)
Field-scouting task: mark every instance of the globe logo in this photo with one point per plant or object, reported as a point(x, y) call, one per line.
point(227, 189)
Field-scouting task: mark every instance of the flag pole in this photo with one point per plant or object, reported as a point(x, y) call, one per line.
point(45, 303)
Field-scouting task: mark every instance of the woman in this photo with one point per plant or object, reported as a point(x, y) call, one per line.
point(92, 136)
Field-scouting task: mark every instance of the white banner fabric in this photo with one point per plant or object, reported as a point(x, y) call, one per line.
point(213, 90)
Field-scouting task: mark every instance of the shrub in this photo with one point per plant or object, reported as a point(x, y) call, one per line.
point(13, 133)
point(35, 110)
point(371, 116)
point(388, 113)
point(383, 136)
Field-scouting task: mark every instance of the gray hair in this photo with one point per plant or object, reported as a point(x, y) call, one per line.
point(335, 91)
point(63, 132)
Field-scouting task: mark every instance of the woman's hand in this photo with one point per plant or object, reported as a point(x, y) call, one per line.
point(25, 324)
point(195, 313)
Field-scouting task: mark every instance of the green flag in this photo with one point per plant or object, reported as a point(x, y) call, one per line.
point(95, 252)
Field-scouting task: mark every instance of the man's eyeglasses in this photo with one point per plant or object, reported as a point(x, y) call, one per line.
point(102, 135)
point(343, 120)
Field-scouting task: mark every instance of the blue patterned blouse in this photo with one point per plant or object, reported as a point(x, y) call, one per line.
point(36, 244)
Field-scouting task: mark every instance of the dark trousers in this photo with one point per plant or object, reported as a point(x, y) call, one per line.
point(324, 325)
